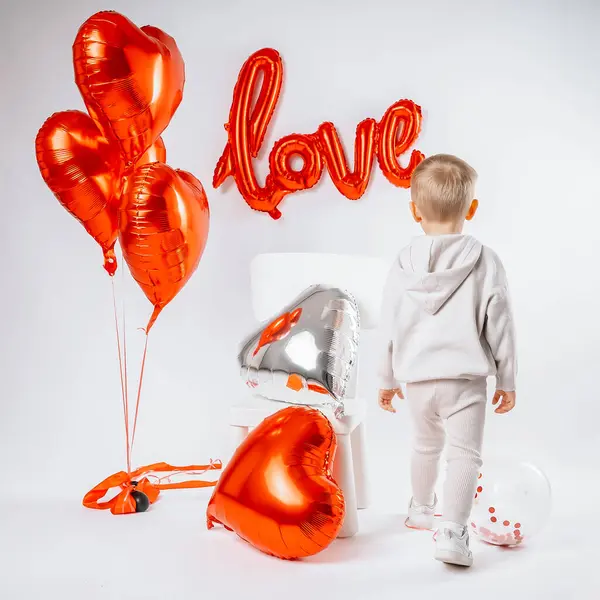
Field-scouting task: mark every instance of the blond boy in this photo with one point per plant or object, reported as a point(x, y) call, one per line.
point(447, 325)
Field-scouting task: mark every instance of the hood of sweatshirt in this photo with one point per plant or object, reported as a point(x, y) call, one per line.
point(434, 267)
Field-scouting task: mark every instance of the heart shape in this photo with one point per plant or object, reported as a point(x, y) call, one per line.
point(308, 354)
point(163, 230)
point(277, 492)
point(83, 170)
point(131, 79)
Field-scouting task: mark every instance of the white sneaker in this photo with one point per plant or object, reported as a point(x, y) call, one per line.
point(420, 516)
point(452, 544)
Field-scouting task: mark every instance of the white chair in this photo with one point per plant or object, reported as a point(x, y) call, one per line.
point(276, 279)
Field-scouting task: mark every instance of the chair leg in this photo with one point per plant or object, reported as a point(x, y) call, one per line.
point(239, 434)
point(343, 473)
point(359, 460)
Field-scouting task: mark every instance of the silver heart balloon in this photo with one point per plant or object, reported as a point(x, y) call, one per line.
point(306, 355)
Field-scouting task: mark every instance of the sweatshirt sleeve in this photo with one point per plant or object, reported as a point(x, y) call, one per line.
point(500, 335)
point(385, 370)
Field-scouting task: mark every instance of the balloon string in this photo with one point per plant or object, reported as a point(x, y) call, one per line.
point(191, 470)
point(125, 371)
point(139, 392)
point(122, 375)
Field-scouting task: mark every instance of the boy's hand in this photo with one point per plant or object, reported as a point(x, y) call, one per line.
point(508, 401)
point(386, 397)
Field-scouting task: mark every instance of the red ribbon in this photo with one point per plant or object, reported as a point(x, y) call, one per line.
point(124, 503)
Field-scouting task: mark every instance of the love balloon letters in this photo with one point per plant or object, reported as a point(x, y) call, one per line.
point(387, 140)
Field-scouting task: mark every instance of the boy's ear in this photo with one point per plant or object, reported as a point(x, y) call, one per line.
point(472, 210)
point(415, 212)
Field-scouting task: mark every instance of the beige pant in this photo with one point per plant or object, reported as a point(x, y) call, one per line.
point(447, 413)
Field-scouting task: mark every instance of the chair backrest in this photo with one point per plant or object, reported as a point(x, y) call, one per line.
point(276, 279)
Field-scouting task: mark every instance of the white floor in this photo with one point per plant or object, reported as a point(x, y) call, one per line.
point(59, 550)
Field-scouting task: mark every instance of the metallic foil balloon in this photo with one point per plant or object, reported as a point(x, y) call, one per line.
point(287, 147)
point(163, 231)
point(351, 184)
point(84, 171)
point(307, 354)
point(398, 130)
point(248, 122)
point(131, 80)
point(277, 492)
point(156, 153)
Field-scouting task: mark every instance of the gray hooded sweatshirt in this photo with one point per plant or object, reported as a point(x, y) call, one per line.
point(446, 314)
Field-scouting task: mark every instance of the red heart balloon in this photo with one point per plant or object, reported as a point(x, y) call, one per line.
point(84, 171)
point(156, 153)
point(163, 230)
point(131, 79)
point(277, 492)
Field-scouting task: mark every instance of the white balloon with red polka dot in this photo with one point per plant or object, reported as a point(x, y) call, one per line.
point(512, 502)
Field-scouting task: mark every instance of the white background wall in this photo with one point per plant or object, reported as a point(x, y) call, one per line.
point(514, 89)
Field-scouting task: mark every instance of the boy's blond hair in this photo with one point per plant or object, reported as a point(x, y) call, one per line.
point(443, 187)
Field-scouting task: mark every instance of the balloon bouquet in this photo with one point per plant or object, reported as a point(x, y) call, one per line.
point(107, 168)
